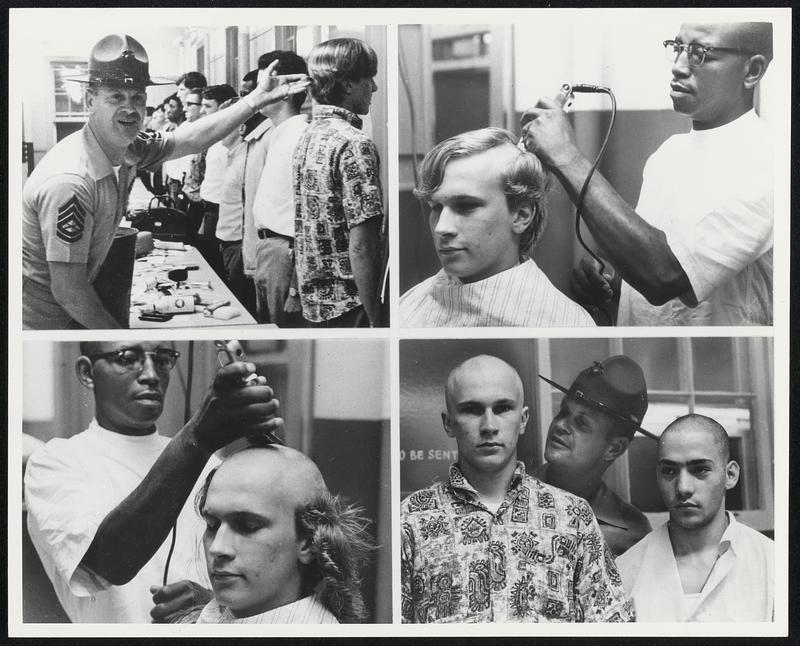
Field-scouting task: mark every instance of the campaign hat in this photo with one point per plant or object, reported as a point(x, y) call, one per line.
point(615, 386)
point(119, 59)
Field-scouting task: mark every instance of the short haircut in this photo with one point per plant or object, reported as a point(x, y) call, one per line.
point(525, 181)
point(173, 97)
point(288, 63)
point(757, 38)
point(718, 433)
point(192, 80)
point(88, 347)
point(219, 93)
point(334, 61)
point(250, 77)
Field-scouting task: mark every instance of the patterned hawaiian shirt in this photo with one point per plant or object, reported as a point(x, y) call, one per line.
point(540, 557)
point(194, 178)
point(336, 187)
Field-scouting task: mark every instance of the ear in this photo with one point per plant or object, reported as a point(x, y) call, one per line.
point(305, 553)
point(756, 68)
point(89, 97)
point(731, 475)
point(521, 219)
point(83, 368)
point(523, 422)
point(446, 424)
point(616, 447)
point(347, 86)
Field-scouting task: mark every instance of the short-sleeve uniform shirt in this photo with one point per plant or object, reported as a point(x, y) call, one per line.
point(71, 206)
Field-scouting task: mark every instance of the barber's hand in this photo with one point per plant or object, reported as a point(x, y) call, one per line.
point(548, 134)
point(292, 305)
point(231, 409)
point(170, 602)
point(274, 87)
point(589, 286)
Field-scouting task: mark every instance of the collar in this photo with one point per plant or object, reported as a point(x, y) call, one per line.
point(97, 162)
point(606, 508)
point(328, 111)
point(258, 131)
point(463, 489)
point(732, 129)
point(520, 267)
point(112, 436)
point(215, 613)
point(731, 536)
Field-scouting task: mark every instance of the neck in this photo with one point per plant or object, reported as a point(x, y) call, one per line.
point(491, 486)
point(124, 429)
point(583, 483)
point(285, 112)
point(116, 155)
point(722, 121)
point(692, 540)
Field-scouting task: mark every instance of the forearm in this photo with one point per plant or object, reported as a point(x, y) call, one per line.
point(80, 300)
point(132, 532)
point(638, 251)
point(199, 135)
point(365, 261)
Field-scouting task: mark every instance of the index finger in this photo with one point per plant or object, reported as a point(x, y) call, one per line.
point(529, 115)
point(548, 103)
point(231, 375)
point(288, 78)
point(162, 593)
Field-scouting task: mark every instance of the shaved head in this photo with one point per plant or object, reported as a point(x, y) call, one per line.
point(482, 367)
point(701, 424)
point(279, 469)
point(755, 37)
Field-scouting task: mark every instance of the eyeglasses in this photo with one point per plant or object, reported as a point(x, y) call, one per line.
point(695, 53)
point(132, 359)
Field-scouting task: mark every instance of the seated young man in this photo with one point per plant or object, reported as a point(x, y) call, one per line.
point(279, 548)
point(487, 211)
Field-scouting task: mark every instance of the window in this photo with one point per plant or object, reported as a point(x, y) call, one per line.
point(232, 56)
point(69, 100)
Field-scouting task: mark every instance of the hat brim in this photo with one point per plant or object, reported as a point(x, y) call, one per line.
point(88, 78)
point(600, 406)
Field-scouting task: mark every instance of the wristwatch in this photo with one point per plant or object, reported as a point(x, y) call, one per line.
point(293, 292)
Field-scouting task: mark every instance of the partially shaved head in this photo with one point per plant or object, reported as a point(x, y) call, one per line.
point(274, 534)
point(483, 367)
point(702, 425)
point(279, 469)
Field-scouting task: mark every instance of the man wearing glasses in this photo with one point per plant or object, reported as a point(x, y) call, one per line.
point(102, 502)
point(697, 250)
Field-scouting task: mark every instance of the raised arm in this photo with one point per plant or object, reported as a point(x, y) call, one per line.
point(638, 250)
point(200, 134)
point(132, 532)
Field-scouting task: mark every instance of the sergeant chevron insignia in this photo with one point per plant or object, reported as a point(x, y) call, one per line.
point(71, 217)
